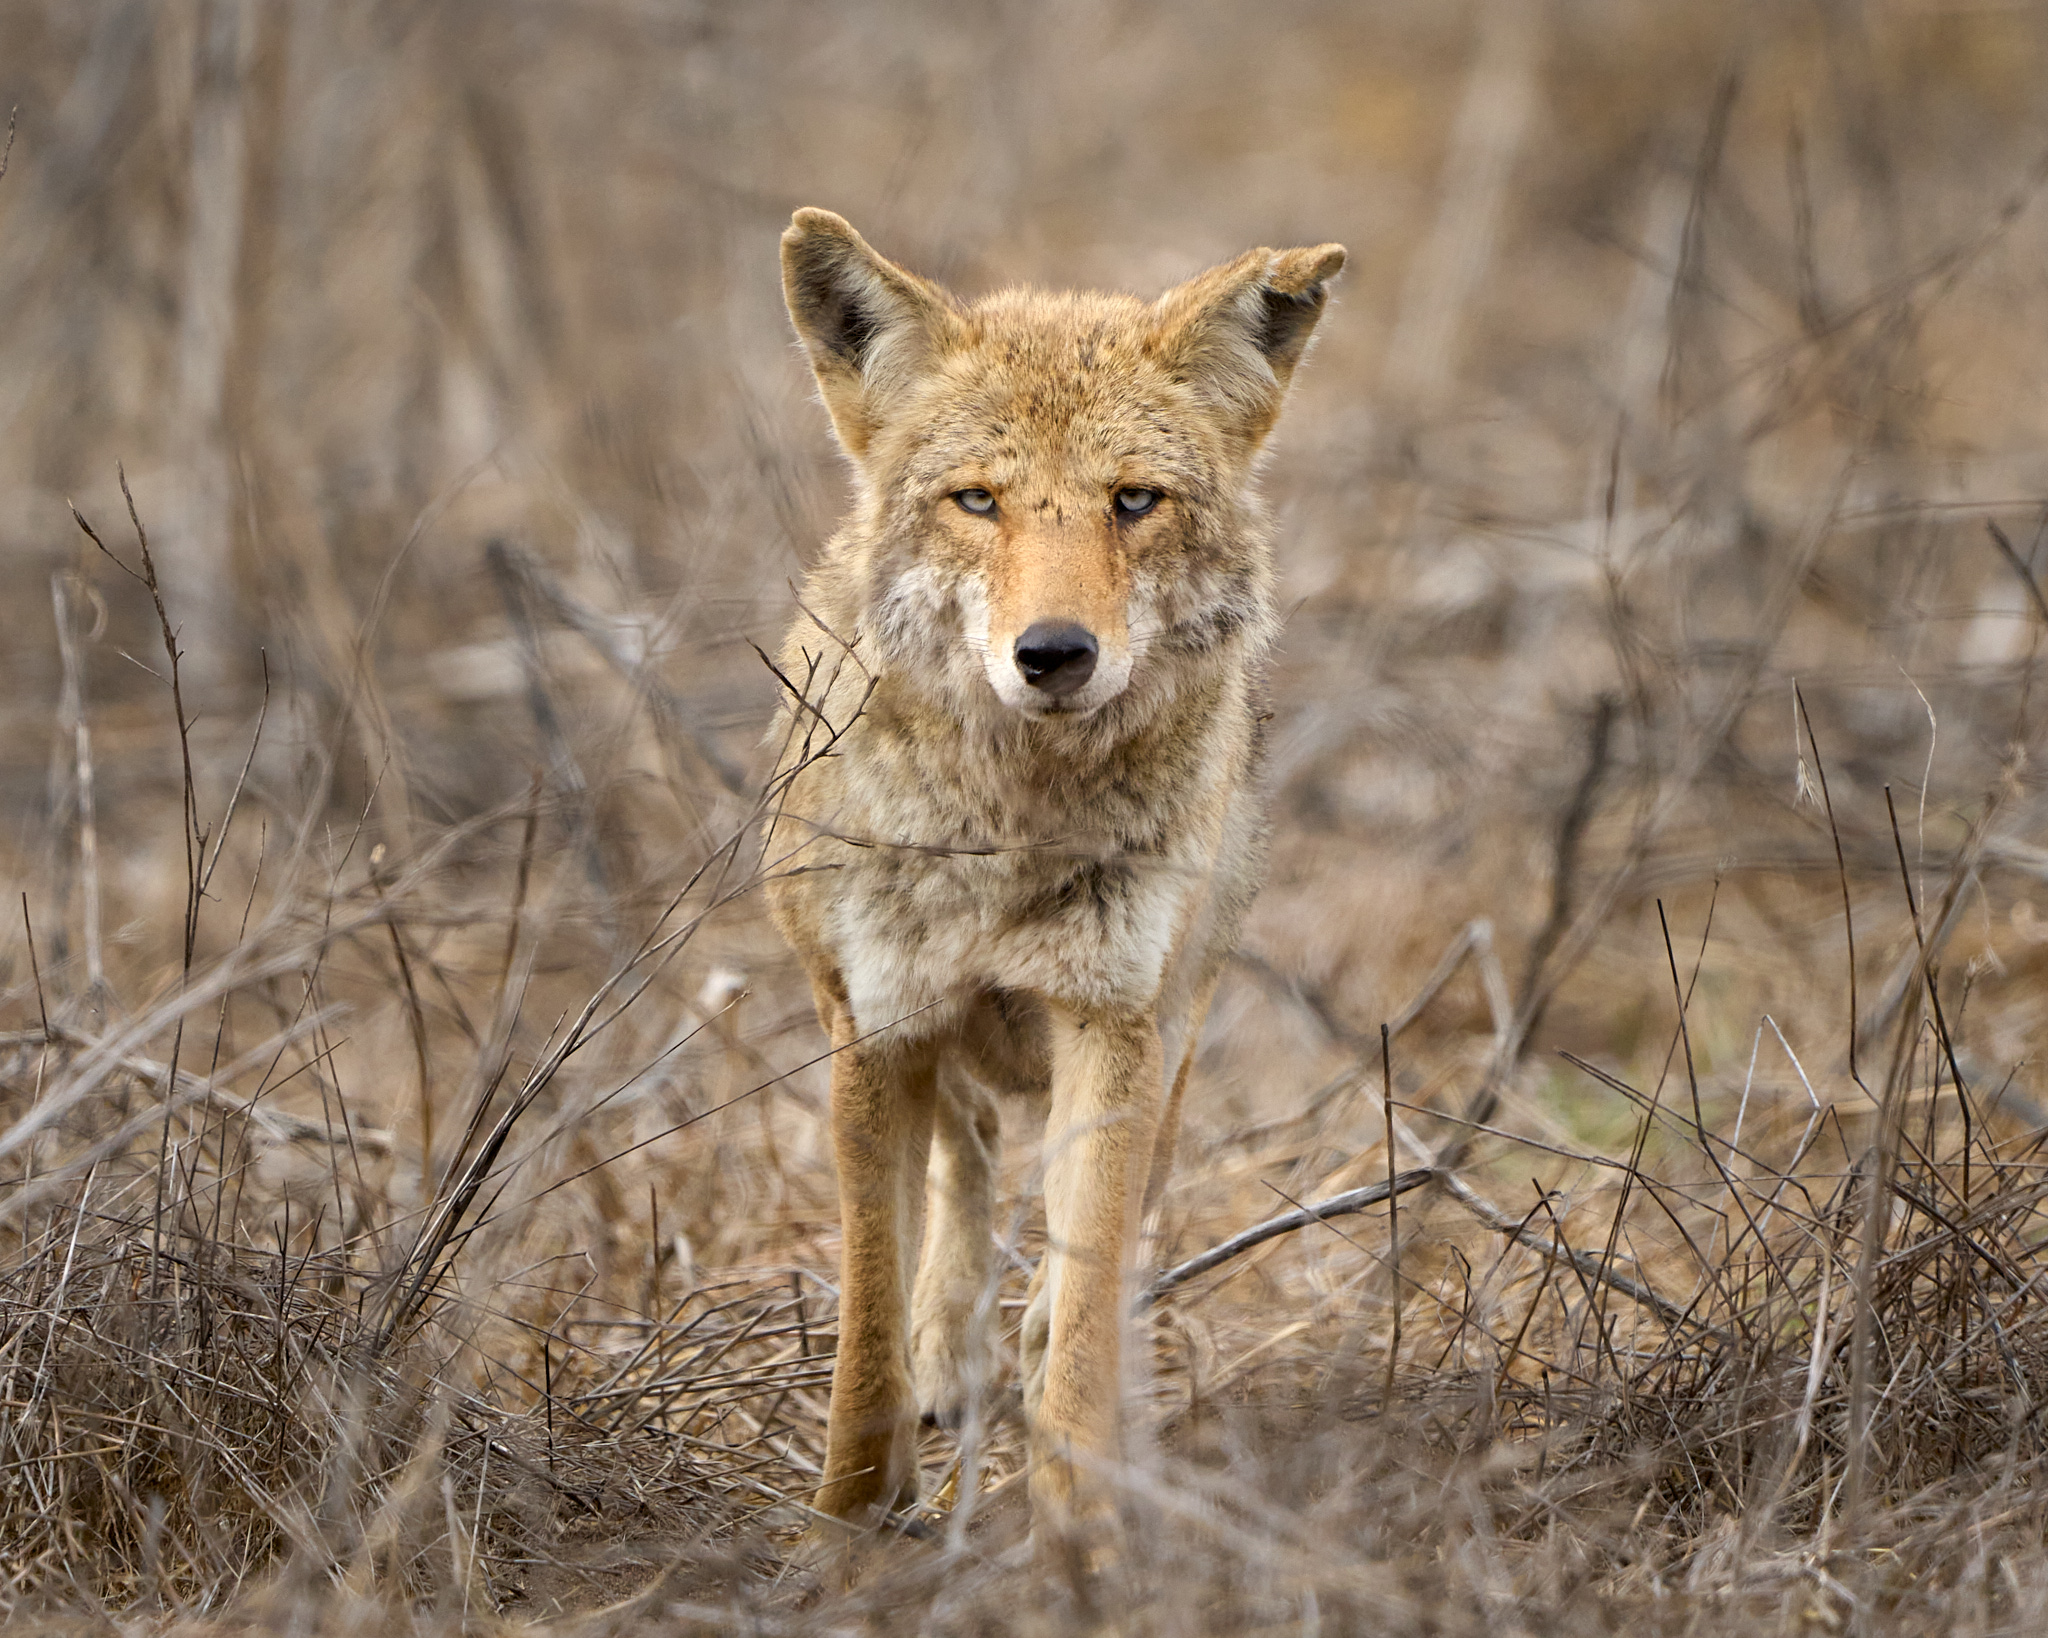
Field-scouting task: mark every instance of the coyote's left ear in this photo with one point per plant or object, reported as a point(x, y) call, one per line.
point(1237, 331)
point(869, 325)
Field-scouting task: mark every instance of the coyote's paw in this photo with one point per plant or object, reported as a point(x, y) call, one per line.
point(952, 1364)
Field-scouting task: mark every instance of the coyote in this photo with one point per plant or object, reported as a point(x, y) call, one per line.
point(1018, 811)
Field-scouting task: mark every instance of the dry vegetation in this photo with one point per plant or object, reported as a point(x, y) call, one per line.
point(414, 1210)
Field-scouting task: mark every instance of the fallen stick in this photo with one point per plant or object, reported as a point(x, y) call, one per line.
point(1338, 1205)
point(1592, 1267)
point(1356, 1200)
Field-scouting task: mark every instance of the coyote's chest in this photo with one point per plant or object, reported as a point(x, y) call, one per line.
point(957, 872)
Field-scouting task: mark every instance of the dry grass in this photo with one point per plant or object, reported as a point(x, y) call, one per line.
point(415, 1213)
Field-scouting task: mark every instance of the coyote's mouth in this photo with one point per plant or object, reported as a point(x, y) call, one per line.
point(1087, 686)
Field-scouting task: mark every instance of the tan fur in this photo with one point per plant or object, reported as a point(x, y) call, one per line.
point(996, 888)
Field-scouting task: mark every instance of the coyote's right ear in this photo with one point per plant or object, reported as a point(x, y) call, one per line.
point(868, 325)
point(1237, 331)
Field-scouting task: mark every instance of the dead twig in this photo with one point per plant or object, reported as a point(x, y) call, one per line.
point(1338, 1205)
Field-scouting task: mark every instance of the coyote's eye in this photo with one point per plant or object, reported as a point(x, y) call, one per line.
point(1135, 503)
point(978, 501)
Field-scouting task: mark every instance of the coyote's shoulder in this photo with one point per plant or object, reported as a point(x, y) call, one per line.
point(1018, 822)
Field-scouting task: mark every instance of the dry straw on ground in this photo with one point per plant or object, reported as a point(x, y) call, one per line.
point(414, 1208)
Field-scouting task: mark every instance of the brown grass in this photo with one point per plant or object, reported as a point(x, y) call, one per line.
point(415, 1213)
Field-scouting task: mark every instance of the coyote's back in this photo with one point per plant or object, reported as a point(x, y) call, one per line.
point(1019, 822)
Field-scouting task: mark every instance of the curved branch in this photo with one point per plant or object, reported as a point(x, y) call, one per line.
point(1338, 1205)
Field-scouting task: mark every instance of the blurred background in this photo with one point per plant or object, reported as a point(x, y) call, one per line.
point(1685, 354)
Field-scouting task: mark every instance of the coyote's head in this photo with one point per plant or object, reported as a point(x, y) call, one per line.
point(1055, 488)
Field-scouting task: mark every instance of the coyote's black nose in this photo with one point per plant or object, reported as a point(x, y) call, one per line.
point(1056, 656)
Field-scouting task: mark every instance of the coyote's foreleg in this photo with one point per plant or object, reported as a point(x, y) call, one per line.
point(1106, 1074)
point(951, 1333)
point(881, 1133)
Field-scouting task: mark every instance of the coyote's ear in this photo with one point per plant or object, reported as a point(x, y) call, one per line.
point(1237, 331)
point(868, 325)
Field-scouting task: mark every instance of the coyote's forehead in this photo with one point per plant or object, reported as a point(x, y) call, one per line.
point(1052, 392)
